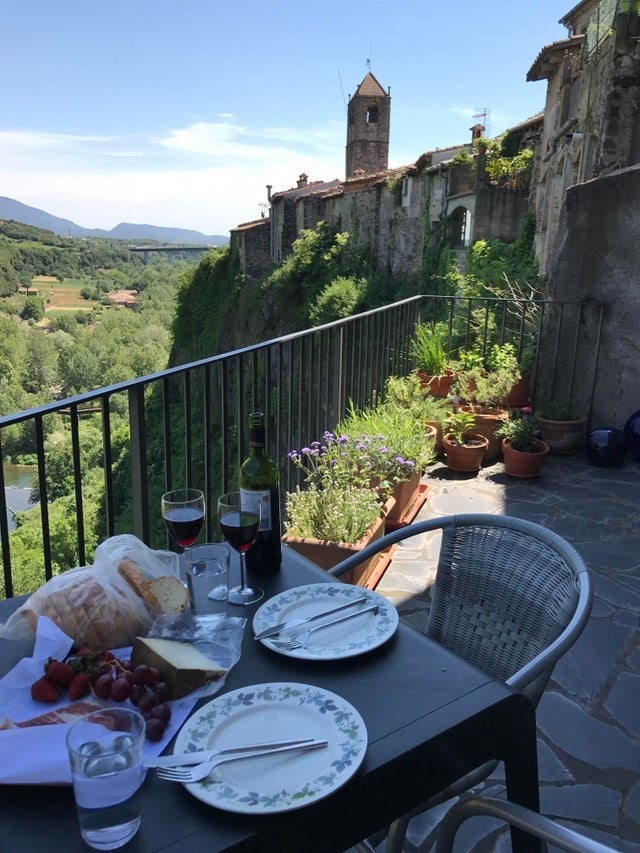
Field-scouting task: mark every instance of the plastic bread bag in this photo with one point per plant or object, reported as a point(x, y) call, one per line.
point(102, 606)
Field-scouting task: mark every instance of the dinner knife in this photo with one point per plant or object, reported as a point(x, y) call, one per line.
point(297, 623)
point(181, 759)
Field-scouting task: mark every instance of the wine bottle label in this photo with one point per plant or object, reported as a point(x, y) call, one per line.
point(251, 499)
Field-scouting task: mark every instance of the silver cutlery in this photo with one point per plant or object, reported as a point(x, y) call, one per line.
point(181, 759)
point(295, 623)
point(300, 639)
point(201, 771)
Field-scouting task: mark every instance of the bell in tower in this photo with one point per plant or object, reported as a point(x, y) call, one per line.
point(368, 116)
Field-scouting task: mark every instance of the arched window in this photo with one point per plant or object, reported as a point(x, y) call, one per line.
point(459, 228)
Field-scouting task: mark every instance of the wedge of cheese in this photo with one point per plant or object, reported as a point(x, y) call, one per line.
point(182, 666)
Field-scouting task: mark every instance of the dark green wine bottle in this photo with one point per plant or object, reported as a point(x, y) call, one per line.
point(260, 483)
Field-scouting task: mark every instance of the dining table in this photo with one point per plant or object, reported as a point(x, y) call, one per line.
point(430, 718)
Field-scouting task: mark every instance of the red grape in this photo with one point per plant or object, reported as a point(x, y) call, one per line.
point(102, 686)
point(120, 689)
point(154, 729)
point(161, 712)
point(147, 702)
point(163, 690)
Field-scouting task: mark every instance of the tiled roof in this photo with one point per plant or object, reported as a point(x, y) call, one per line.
point(370, 87)
point(549, 57)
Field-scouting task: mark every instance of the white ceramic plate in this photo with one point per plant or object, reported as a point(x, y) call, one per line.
point(265, 712)
point(347, 639)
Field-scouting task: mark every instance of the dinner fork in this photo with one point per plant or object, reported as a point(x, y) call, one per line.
point(201, 771)
point(301, 639)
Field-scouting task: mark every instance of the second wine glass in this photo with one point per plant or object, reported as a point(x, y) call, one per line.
point(240, 528)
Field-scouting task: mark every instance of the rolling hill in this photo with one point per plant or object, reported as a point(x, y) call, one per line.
point(12, 209)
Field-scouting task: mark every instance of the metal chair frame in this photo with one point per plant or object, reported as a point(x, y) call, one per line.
point(535, 824)
point(509, 595)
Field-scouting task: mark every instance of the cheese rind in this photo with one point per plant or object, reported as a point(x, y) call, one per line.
point(183, 667)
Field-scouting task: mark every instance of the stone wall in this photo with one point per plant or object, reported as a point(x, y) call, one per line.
point(252, 242)
point(599, 260)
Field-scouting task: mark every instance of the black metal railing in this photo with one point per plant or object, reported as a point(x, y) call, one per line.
point(185, 425)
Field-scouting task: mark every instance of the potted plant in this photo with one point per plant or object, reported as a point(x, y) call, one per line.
point(504, 356)
point(485, 393)
point(336, 514)
point(561, 428)
point(463, 449)
point(522, 450)
point(389, 447)
point(433, 362)
point(407, 392)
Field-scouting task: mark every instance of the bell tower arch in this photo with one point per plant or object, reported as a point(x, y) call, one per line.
point(368, 119)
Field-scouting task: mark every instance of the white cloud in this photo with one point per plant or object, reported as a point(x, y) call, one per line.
point(206, 176)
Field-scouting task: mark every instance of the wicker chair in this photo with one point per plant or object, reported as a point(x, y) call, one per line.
point(510, 596)
point(535, 824)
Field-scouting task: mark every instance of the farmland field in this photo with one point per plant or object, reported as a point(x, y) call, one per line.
point(62, 296)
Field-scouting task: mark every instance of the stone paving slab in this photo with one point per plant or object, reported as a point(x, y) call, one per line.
point(589, 717)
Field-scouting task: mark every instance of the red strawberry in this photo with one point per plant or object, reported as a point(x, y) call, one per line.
point(44, 690)
point(80, 686)
point(59, 672)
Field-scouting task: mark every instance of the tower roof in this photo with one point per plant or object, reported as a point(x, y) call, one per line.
point(370, 87)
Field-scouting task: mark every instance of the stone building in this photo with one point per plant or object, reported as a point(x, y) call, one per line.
point(585, 194)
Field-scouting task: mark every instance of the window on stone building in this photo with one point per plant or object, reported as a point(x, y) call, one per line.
point(459, 228)
point(372, 115)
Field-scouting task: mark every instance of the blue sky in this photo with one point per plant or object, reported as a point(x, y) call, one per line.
point(180, 112)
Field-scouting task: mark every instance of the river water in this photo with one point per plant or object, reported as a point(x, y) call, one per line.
point(17, 480)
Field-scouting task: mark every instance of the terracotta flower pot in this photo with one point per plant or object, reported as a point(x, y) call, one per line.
point(519, 394)
point(465, 458)
point(563, 437)
point(487, 421)
point(403, 493)
point(439, 386)
point(521, 464)
point(327, 554)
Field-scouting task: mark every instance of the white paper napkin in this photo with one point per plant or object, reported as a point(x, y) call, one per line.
point(37, 755)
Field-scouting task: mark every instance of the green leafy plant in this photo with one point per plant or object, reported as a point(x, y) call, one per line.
point(407, 392)
point(458, 426)
point(521, 431)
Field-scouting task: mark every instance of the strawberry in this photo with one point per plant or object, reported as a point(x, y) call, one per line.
point(58, 672)
point(44, 690)
point(80, 685)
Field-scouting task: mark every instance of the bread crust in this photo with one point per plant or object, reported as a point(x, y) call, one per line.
point(138, 582)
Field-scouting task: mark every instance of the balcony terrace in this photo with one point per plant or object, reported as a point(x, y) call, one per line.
point(589, 720)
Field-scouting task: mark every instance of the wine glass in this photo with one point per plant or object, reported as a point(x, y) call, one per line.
point(240, 528)
point(183, 512)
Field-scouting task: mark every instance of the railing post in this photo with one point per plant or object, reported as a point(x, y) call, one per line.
point(139, 481)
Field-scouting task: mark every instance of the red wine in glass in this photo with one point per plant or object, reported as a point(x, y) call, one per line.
point(240, 529)
point(183, 512)
point(239, 526)
point(184, 524)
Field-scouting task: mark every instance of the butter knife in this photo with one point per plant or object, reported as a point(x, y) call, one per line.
point(296, 623)
point(181, 759)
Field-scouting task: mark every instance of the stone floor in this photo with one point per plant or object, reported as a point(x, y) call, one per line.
point(589, 717)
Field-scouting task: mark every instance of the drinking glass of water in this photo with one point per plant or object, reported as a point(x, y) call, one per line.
point(105, 753)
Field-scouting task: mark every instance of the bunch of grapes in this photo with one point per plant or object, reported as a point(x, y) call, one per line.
point(143, 687)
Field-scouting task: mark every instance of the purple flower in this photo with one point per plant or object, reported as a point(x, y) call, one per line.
point(306, 450)
point(293, 454)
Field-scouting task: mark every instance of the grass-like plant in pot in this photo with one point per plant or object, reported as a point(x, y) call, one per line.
point(434, 363)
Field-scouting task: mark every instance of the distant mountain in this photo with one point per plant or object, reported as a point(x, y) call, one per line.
point(12, 209)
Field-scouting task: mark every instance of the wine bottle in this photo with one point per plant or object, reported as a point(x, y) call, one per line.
point(260, 483)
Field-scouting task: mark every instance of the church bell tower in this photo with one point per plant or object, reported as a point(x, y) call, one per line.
point(368, 116)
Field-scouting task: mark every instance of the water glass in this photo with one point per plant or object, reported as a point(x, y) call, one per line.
point(105, 752)
point(207, 570)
